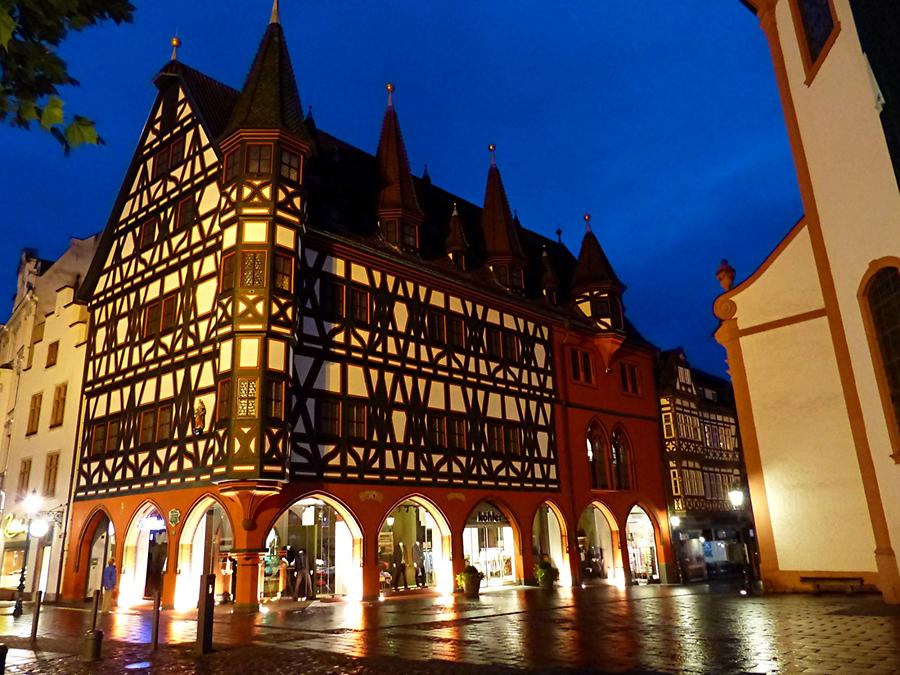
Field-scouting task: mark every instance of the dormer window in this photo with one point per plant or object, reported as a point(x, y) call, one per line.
point(259, 158)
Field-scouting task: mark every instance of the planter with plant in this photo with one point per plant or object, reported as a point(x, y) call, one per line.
point(469, 580)
point(546, 574)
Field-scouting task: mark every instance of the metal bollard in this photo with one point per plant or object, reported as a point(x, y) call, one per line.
point(157, 603)
point(93, 643)
point(36, 616)
point(95, 610)
point(205, 613)
point(3, 650)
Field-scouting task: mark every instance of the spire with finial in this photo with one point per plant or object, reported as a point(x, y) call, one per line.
point(596, 289)
point(501, 234)
point(275, 17)
point(426, 177)
point(398, 206)
point(492, 148)
point(587, 222)
point(176, 43)
point(456, 243)
point(549, 280)
point(558, 235)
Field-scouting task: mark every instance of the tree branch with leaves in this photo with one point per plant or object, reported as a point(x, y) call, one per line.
point(31, 70)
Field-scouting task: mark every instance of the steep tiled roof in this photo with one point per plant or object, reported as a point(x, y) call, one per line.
point(593, 268)
point(397, 190)
point(501, 235)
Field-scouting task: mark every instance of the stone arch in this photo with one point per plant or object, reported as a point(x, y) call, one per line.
point(600, 545)
point(496, 561)
point(643, 546)
point(144, 551)
point(96, 546)
point(191, 544)
point(552, 542)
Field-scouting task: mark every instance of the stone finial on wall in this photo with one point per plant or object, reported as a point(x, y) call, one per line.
point(725, 275)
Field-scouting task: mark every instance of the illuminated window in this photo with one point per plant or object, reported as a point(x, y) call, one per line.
point(328, 417)
point(668, 426)
point(51, 470)
point(259, 159)
point(290, 166)
point(355, 417)
point(223, 401)
point(52, 353)
point(246, 400)
point(58, 411)
point(253, 269)
point(34, 414)
point(284, 272)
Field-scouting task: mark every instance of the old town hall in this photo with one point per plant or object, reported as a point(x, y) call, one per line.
point(299, 351)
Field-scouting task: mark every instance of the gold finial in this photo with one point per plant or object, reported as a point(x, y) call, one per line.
point(390, 90)
point(491, 149)
point(176, 43)
point(275, 16)
point(587, 221)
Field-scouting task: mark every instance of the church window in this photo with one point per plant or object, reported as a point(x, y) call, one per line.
point(621, 461)
point(436, 327)
point(34, 414)
point(58, 410)
point(355, 416)
point(331, 299)
point(359, 305)
point(284, 272)
point(253, 269)
point(815, 22)
point(232, 165)
point(290, 166)
point(227, 282)
point(246, 403)
point(52, 353)
point(597, 458)
point(456, 332)
point(259, 158)
point(328, 417)
point(187, 212)
point(223, 401)
point(884, 306)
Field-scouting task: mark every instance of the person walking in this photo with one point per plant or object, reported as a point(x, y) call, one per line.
point(109, 581)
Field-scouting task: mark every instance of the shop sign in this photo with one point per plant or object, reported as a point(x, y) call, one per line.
point(490, 518)
point(12, 527)
point(174, 517)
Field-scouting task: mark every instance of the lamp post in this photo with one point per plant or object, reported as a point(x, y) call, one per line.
point(675, 522)
point(736, 497)
point(31, 505)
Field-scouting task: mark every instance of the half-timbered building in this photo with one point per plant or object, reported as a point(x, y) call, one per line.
point(330, 376)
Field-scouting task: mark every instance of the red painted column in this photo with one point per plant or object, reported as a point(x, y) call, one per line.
point(371, 583)
point(247, 590)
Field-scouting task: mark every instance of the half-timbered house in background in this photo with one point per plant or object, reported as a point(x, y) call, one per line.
point(298, 350)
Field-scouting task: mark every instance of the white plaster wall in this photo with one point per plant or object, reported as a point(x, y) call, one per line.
point(813, 486)
point(858, 202)
point(789, 286)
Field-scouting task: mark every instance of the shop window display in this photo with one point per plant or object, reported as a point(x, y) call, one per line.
point(489, 545)
point(641, 547)
point(410, 549)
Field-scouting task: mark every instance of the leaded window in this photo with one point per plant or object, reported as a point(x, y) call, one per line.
point(253, 269)
point(247, 389)
point(884, 305)
point(284, 272)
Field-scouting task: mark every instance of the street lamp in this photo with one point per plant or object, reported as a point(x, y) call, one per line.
point(36, 527)
point(736, 497)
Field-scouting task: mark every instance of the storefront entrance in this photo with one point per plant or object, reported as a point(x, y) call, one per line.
point(192, 551)
point(549, 542)
point(641, 547)
point(102, 548)
point(313, 549)
point(600, 555)
point(489, 544)
point(144, 558)
point(414, 548)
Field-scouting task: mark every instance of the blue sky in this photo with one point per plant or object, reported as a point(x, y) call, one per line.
point(660, 118)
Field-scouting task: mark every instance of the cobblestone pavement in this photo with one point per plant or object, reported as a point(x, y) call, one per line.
point(603, 629)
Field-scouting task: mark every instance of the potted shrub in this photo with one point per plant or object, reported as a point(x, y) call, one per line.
point(546, 574)
point(469, 580)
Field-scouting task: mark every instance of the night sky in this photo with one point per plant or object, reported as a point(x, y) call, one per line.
point(661, 119)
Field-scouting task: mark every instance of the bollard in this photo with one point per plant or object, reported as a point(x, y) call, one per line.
point(36, 615)
point(90, 648)
point(95, 610)
point(3, 650)
point(157, 603)
point(205, 613)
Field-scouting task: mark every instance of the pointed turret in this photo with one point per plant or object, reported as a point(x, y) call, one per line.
point(399, 213)
point(456, 243)
point(595, 287)
point(501, 237)
point(269, 99)
point(549, 280)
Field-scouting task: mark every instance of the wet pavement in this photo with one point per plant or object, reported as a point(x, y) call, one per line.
point(602, 629)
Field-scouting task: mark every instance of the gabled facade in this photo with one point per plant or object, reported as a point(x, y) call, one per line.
point(323, 360)
point(42, 348)
point(812, 330)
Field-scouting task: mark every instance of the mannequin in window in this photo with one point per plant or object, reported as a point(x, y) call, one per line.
point(418, 560)
point(304, 587)
point(400, 566)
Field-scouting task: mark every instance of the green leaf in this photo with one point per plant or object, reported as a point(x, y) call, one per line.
point(27, 110)
point(81, 131)
point(53, 113)
point(7, 26)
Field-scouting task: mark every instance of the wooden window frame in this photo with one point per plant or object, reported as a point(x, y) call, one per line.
point(248, 158)
point(437, 430)
point(180, 221)
point(329, 313)
point(34, 413)
point(509, 343)
point(52, 354)
point(453, 421)
point(176, 142)
point(494, 429)
point(581, 366)
point(58, 409)
point(494, 351)
point(352, 425)
point(24, 477)
point(158, 326)
point(92, 450)
point(437, 327)
point(811, 67)
point(275, 399)
point(334, 404)
point(629, 382)
point(409, 235)
point(147, 234)
point(113, 441)
point(512, 440)
point(461, 322)
point(226, 278)
point(143, 440)
point(279, 274)
point(224, 399)
point(51, 469)
point(160, 434)
point(232, 165)
point(161, 162)
point(282, 165)
point(353, 294)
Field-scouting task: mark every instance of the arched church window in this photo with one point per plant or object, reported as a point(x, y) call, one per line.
point(884, 305)
point(597, 458)
point(621, 460)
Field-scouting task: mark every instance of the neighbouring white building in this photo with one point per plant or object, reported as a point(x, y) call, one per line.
point(813, 335)
point(41, 365)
